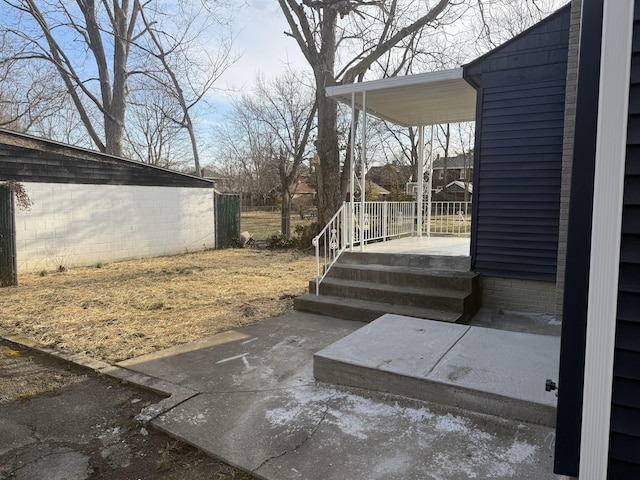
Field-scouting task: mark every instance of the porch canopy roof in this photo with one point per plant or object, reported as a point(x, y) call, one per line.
point(414, 100)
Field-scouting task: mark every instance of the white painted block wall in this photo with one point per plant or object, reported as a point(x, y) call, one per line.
point(73, 225)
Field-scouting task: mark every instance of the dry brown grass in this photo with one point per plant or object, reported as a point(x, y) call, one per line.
point(127, 309)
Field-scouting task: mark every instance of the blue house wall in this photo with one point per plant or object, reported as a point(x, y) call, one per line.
point(518, 152)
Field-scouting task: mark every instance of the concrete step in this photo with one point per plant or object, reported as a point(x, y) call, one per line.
point(486, 370)
point(414, 276)
point(425, 262)
point(367, 310)
point(422, 297)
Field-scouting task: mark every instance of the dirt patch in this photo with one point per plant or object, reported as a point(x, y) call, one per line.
point(117, 311)
point(59, 421)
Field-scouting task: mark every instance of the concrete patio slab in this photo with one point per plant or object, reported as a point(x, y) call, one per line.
point(481, 369)
point(259, 408)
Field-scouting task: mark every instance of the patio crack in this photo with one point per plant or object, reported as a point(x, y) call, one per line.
point(299, 445)
point(448, 350)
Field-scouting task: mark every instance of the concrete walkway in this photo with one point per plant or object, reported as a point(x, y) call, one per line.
point(257, 406)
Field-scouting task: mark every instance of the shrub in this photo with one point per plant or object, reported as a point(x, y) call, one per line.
point(281, 241)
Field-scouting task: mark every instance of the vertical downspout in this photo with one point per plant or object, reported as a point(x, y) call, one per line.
point(611, 140)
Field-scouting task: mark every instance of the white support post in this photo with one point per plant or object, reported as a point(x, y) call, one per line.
point(420, 193)
point(385, 220)
point(363, 154)
point(430, 184)
point(613, 103)
point(352, 171)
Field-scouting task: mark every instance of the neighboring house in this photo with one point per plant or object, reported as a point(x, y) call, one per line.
point(456, 191)
point(459, 167)
point(374, 192)
point(393, 177)
point(302, 195)
point(90, 207)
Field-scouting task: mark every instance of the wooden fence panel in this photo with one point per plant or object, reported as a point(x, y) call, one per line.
point(8, 264)
point(227, 220)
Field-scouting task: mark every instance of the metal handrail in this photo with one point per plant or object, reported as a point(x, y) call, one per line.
point(334, 239)
point(382, 221)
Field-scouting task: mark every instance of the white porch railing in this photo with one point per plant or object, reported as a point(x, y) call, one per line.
point(383, 220)
point(332, 240)
point(350, 225)
point(448, 218)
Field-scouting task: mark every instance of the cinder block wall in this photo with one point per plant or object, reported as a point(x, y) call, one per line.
point(518, 295)
point(71, 224)
point(567, 150)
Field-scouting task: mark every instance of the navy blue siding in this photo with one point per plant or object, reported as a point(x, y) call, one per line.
point(518, 155)
point(624, 447)
point(28, 159)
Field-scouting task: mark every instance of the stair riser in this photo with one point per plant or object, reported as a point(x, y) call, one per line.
point(394, 298)
point(337, 311)
point(404, 278)
point(434, 262)
point(361, 314)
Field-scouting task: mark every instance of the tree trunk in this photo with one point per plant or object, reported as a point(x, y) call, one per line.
point(330, 196)
point(285, 219)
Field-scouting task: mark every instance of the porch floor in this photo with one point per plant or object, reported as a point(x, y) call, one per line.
point(448, 246)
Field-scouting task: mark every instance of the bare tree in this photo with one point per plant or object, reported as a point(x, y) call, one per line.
point(286, 109)
point(188, 68)
point(106, 31)
point(245, 154)
point(277, 116)
point(152, 137)
point(97, 46)
point(324, 32)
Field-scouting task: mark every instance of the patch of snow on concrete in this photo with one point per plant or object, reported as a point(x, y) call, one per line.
point(451, 424)
point(195, 420)
point(520, 452)
point(358, 415)
point(350, 424)
point(501, 470)
point(282, 416)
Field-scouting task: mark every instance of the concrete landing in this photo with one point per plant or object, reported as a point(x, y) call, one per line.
point(485, 370)
point(259, 408)
point(451, 246)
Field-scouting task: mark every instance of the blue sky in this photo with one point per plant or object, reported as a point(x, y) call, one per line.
point(263, 45)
